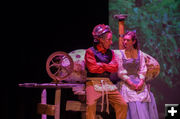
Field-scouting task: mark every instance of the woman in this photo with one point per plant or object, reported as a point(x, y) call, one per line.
point(132, 70)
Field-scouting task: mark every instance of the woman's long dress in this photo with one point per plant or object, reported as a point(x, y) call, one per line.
point(141, 104)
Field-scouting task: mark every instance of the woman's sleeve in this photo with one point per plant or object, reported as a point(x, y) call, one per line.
point(142, 69)
point(122, 73)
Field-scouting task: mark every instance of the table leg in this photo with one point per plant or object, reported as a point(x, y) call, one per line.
point(44, 101)
point(57, 103)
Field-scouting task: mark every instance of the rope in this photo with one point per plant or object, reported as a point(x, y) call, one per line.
point(107, 100)
point(102, 103)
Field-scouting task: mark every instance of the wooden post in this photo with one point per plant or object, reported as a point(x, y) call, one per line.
point(121, 18)
point(44, 101)
point(121, 32)
point(57, 103)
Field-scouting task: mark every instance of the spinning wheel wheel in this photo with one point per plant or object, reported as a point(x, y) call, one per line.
point(59, 65)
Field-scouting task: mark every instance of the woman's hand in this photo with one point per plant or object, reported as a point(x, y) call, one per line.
point(149, 87)
point(131, 85)
point(140, 85)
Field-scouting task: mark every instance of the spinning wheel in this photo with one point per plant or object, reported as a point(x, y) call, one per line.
point(59, 65)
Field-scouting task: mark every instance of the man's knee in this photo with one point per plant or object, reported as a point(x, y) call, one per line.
point(123, 105)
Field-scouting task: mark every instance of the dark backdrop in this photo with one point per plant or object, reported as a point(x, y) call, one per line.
point(35, 31)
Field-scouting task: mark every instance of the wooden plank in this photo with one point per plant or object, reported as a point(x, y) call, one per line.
point(46, 109)
point(75, 106)
point(49, 85)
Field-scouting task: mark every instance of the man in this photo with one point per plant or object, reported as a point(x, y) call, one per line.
point(100, 63)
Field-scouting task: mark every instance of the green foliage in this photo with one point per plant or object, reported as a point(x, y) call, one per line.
point(157, 23)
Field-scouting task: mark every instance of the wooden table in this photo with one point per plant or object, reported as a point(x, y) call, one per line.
point(46, 109)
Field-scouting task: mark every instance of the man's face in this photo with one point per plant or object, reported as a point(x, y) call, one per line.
point(107, 41)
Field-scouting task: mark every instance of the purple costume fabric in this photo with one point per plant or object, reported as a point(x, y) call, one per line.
point(143, 110)
point(137, 109)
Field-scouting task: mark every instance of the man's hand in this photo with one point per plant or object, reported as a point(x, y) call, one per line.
point(100, 64)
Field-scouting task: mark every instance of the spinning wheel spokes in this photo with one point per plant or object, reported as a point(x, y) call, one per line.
point(59, 65)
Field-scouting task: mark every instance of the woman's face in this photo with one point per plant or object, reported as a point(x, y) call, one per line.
point(128, 42)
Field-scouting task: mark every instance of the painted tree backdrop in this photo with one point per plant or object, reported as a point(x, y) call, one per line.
point(157, 23)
